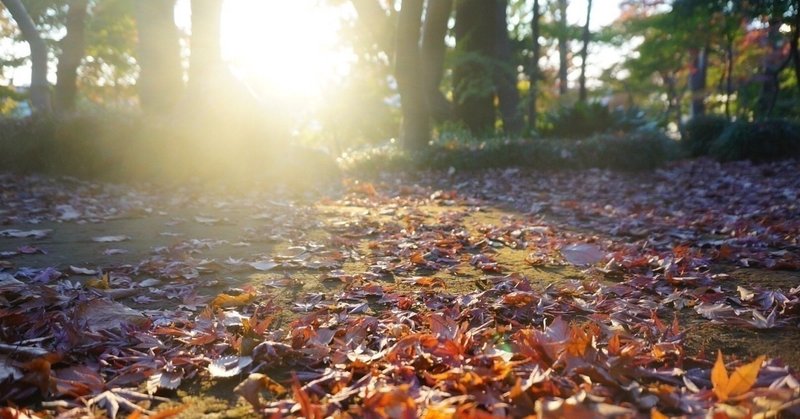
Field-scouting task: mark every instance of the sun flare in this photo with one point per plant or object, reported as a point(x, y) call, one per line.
point(285, 49)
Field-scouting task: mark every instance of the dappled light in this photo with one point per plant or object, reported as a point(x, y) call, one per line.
point(399, 209)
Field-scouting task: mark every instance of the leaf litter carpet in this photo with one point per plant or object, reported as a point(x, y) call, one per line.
point(490, 294)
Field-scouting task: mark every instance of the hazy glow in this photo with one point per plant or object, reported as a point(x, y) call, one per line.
point(290, 49)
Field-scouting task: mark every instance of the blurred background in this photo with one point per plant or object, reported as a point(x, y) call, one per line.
point(126, 89)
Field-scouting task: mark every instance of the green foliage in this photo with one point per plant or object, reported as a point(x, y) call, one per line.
point(698, 134)
point(579, 121)
point(759, 141)
point(635, 151)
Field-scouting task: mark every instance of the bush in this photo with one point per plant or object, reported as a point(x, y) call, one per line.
point(759, 141)
point(579, 121)
point(639, 150)
point(700, 132)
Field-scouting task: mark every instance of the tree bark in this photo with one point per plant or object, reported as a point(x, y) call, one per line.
point(160, 81)
point(533, 76)
point(728, 76)
point(437, 13)
point(205, 60)
point(416, 118)
point(563, 47)
point(72, 50)
point(506, 73)
point(697, 81)
point(40, 88)
point(582, 95)
point(473, 87)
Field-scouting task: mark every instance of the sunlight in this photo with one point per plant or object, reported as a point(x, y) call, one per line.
point(288, 49)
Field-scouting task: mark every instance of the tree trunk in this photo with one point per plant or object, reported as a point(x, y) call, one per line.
point(697, 81)
point(506, 73)
point(160, 81)
point(40, 88)
point(772, 65)
point(205, 60)
point(416, 118)
point(72, 50)
point(793, 43)
point(585, 53)
point(533, 76)
point(374, 19)
point(473, 87)
point(433, 49)
point(563, 47)
point(728, 76)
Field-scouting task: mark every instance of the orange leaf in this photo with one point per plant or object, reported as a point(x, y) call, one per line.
point(719, 378)
point(655, 414)
point(226, 300)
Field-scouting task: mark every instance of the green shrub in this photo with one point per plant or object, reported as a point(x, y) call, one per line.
point(700, 132)
point(634, 151)
point(579, 121)
point(759, 141)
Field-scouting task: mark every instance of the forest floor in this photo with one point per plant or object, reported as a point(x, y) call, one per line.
point(511, 292)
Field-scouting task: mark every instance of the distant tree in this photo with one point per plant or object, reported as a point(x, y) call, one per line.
point(505, 75)
point(415, 132)
point(160, 81)
point(73, 47)
point(563, 47)
point(473, 84)
point(39, 89)
point(534, 70)
point(585, 53)
point(434, 29)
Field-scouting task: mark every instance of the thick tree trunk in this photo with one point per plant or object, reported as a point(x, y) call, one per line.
point(563, 47)
point(416, 118)
point(160, 81)
point(533, 76)
point(437, 13)
point(205, 61)
point(72, 51)
point(473, 88)
point(793, 43)
point(582, 95)
point(506, 73)
point(40, 88)
point(697, 81)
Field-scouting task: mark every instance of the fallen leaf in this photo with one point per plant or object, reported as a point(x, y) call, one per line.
point(582, 254)
point(737, 383)
point(110, 239)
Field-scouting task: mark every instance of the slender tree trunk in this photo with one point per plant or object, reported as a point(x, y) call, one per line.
point(412, 88)
point(794, 45)
point(506, 73)
point(434, 29)
point(697, 81)
point(585, 53)
point(160, 81)
point(72, 50)
point(533, 90)
point(772, 66)
point(728, 77)
point(563, 48)
point(472, 76)
point(40, 88)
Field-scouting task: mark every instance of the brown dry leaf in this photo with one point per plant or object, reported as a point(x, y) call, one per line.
point(737, 383)
point(655, 414)
point(250, 388)
point(429, 281)
point(578, 341)
point(226, 300)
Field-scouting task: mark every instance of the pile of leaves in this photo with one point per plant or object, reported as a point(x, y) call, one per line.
point(415, 307)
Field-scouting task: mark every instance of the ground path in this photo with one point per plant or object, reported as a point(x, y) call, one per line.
point(392, 293)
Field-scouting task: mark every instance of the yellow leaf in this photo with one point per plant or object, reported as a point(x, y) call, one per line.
point(99, 283)
point(719, 378)
point(739, 382)
point(744, 377)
